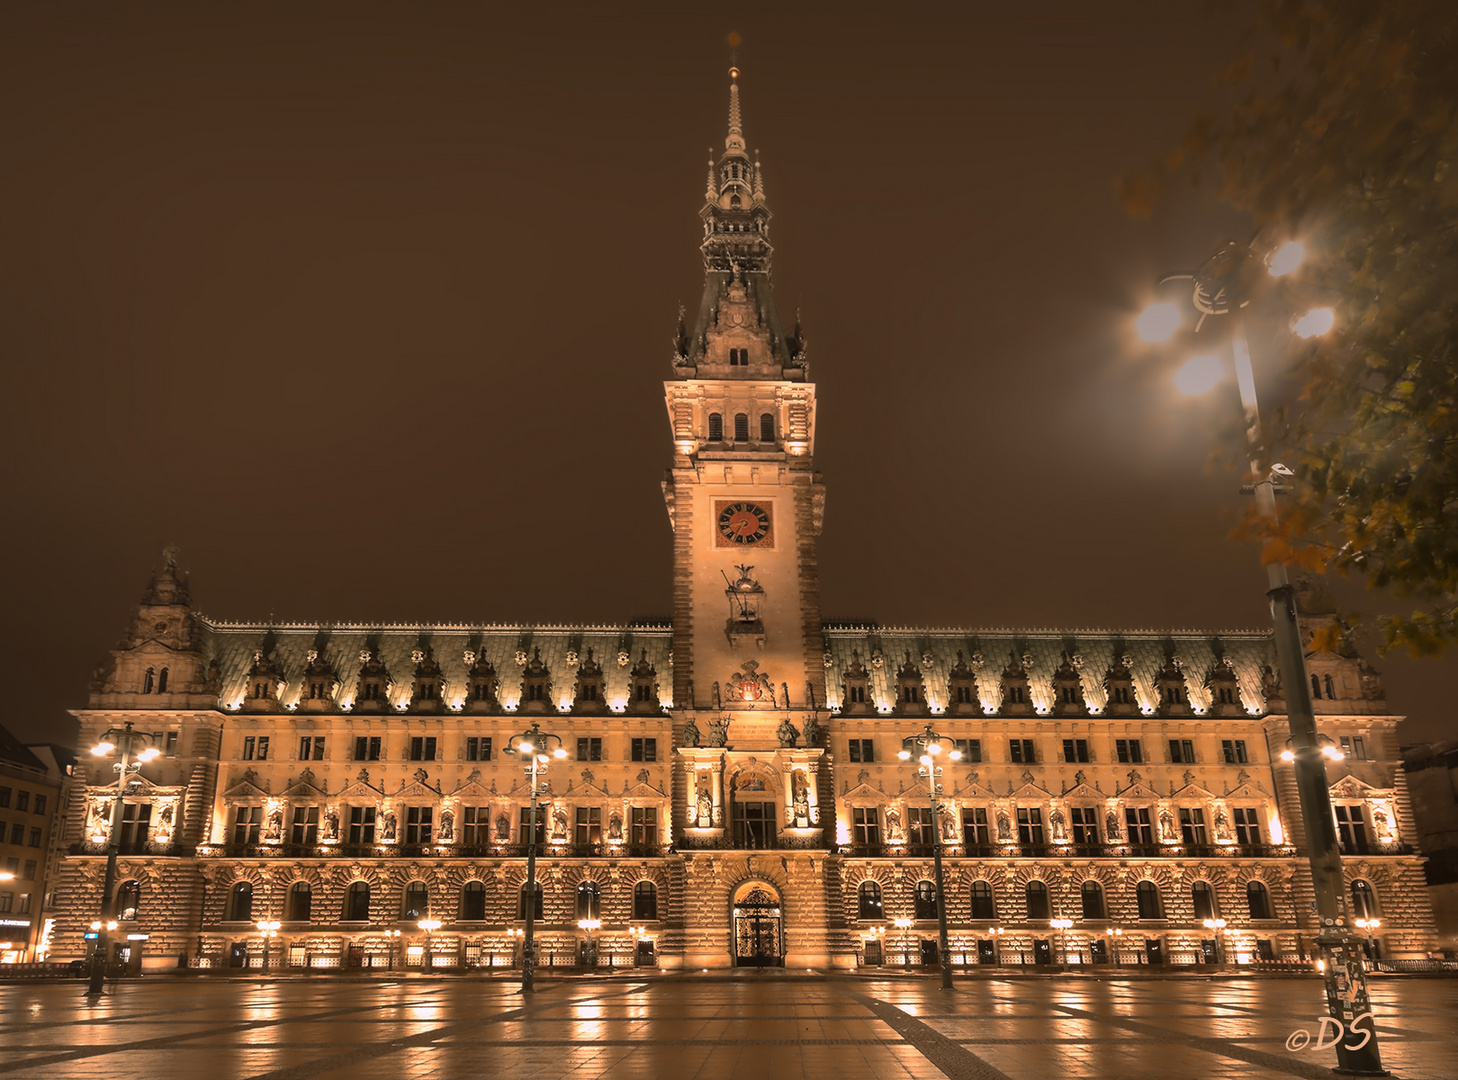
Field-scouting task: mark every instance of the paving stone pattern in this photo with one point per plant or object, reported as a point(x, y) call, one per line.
point(761, 1027)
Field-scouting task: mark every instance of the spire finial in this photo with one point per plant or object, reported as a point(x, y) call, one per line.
point(758, 179)
point(735, 140)
point(711, 192)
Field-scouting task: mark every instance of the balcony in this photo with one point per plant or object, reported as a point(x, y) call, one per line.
point(1075, 851)
point(777, 842)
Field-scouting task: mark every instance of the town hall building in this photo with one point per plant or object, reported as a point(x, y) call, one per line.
point(731, 792)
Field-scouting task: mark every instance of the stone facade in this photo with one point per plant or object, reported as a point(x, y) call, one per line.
point(731, 792)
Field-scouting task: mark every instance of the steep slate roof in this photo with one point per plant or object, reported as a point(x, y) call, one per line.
point(1248, 650)
point(233, 644)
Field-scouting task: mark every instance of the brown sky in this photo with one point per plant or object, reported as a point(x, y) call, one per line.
point(368, 308)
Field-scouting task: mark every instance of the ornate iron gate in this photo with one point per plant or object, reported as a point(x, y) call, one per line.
point(757, 931)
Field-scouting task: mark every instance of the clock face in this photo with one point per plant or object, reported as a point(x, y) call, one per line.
point(743, 524)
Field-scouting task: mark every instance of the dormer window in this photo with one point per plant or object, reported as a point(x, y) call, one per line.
point(318, 691)
point(964, 695)
point(716, 427)
point(536, 692)
point(741, 432)
point(1121, 695)
point(766, 428)
point(1015, 694)
point(370, 691)
point(856, 694)
point(738, 357)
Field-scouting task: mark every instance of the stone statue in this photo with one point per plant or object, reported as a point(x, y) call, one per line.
point(1222, 825)
point(1004, 826)
point(387, 831)
point(814, 732)
point(615, 826)
point(800, 792)
point(788, 733)
point(1166, 825)
point(705, 804)
point(275, 825)
point(893, 826)
point(785, 693)
point(447, 826)
point(331, 825)
point(1111, 825)
point(421, 776)
point(503, 828)
point(559, 823)
point(1060, 826)
point(719, 732)
point(949, 826)
point(690, 733)
point(716, 695)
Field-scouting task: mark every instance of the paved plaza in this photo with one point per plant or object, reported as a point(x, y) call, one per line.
point(761, 1027)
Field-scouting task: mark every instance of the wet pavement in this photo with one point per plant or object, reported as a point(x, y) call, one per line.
point(760, 1028)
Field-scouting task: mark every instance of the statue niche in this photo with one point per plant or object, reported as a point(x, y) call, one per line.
point(745, 625)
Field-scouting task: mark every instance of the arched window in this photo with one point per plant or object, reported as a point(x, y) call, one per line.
point(357, 902)
point(240, 903)
point(1258, 900)
point(521, 903)
point(417, 901)
point(741, 427)
point(1093, 901)
point(982, 904)
point(716, 427)
point(300, 902)
point(148, 680)
point(1147, 893)
point(1364, 900)
point(473, 902)
point(162, 681)
point(767, 427)
point(589, 900)
point(645, 901)
point(1315, 687)
point(1203, 897)
point(926, 900)
point(1037, 895)
point(1325, 681)
point(128, 900)
point(869, 905)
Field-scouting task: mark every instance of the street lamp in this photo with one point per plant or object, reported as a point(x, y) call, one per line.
point(394, 938)
point(1062, 926)
point(1114, 934)
point(269, 929)
point(589, 925)
point(427, 925)
point(904, 925)
point(1217, 925)
point(535, 747)
point(929, 747)
point(1369, 925)
point(127, 745)
point(1222, 285)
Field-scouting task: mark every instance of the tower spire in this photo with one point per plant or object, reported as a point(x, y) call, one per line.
point(735, 138)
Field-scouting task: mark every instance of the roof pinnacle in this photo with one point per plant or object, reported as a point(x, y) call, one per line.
point(735, 139)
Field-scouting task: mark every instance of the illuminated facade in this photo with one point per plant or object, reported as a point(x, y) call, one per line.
point(732, 793)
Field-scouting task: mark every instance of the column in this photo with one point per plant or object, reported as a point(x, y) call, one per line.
point(812, 777)
point(717, 778)
point(789, 794)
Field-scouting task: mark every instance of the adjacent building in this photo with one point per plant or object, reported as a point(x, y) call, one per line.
point(732, 792)
point(33, 784)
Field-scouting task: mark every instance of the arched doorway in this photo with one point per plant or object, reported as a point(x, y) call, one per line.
point(758, 926)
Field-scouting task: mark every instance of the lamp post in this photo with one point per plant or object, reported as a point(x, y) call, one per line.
point(929, 747)
point(125, 743)
point(904, 925)
point(1368, 925)
point(536, 747)
point(589, 925)
point(268, 928)
point(1217, 925)
point(878, 934)
point(1222, 285)
point(997, 933)
point(427, 925)
point(393, 936)
point(1114, 935)
point(1062, 926)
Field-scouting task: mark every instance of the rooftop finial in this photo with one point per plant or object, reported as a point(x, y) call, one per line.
point(735, 141)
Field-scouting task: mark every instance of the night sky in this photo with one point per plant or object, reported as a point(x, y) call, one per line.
point(368, 309)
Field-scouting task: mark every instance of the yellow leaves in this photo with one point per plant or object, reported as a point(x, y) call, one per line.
point(1329, 638)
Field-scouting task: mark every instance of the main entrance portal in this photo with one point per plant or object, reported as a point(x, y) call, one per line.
point(758, 933)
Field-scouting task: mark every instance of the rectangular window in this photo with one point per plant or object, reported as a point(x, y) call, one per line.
point(1192, 825)
point(7, 900)
point(305, 829)
point(645, 749)
point(589, 749)
point(40, 804)
point(1075, 750)
point(1129, 751)
point(478, 748)
point(1021, 750)
point(476, 826)
point(1030, 826)
point(526, 828)
point(29, 874)
point(971, 748)
point(4, 797)
point(1182, 751)
point(311, 748)
point(361, 824)
point(866, 826)
point(863, 750)
point(22, 800)
point(1085, 825)
point(1352, 828)
point(171, 744)
point(250, 747)
point(17, 834)
point(1233, 750)
point(24, 906)
point(136, 822)
point(645, 826)
point(418, 821)
point(1247, 827)
point(1354, 747)
point(35, 837)
point(366, 748)
point(920, 829)
point(975, 830)
point(589, 825)
point(1136, 823)
point(12, 866)
point(247, 821)
point(422, 748)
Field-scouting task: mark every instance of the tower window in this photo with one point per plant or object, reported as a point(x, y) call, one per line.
point(766, 428)
point(741, 427)
point(716, 427)
point(162, 681)
point(738, 357)
point(734, 201)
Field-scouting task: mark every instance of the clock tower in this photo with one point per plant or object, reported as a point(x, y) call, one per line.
point(744, 500)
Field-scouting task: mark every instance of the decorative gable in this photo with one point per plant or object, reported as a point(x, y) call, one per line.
point(587, 695)
point(1068, 699)
point(856, 684)
point(1017, 692)
point(1120, 696)
point(910, 689)
point(962, 696)
point(427, 693)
